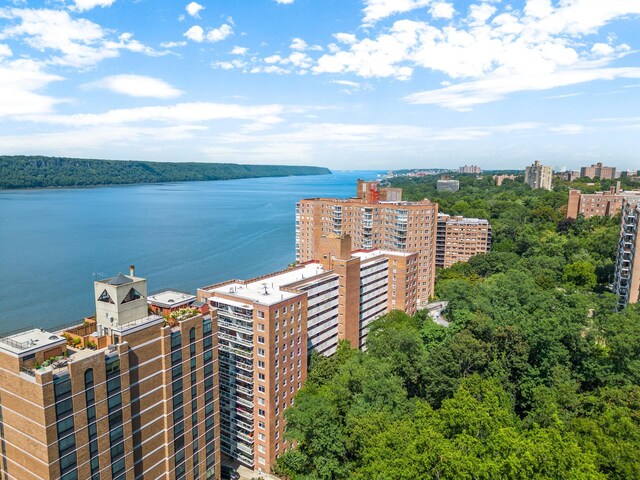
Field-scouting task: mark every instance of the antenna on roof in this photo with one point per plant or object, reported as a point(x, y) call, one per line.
point(266, 292)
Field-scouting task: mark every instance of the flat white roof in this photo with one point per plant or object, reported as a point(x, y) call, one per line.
point(266, 291)
point(377, 253)
point(30, 341)
point(170, 298)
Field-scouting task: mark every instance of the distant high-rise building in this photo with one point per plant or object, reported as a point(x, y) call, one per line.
point(458, 239)
point(499, 179)
point(599, 171)
point(269, 325)
point(445, 184)
point(538, 176)
point(470, 169)
point(568, 175)
point(626, 284)
point(372, 223)
point(126, 395)
point(598, 204)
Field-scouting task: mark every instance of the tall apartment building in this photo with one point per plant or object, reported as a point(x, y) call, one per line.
point(599, 204)
point(135, 397)
point(538, 176)
point(445, 184)
point(458, 239)
point(470, 169)
point(599, 171)
point(372, 224)
point(626, 284)
point(268, 325)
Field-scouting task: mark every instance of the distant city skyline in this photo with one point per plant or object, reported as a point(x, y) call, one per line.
point(368, 84)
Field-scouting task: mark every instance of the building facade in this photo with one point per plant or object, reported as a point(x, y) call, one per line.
point(447, 185)
point(123, 396)
point(599, 171)
point(470, 169)
point(372, 224)
point(269, 325)
point(599, 204)
point(538, 176)
point(458, 239)
point(499, 179)
point(626, 284)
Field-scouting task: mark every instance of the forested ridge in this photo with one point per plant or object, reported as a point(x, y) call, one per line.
point(537, 376)
point(39, 172)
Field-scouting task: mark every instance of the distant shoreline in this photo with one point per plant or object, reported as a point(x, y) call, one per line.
point(38, 172)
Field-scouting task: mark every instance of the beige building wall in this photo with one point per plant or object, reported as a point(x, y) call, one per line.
point(538, 176)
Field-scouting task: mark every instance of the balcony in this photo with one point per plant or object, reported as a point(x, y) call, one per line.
point(244, 437)
point(236, 339)
point(236, 351)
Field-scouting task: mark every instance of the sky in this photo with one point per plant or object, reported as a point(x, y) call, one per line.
point(346, 84)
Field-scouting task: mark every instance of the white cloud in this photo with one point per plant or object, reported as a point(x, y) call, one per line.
point(194, 9)
point(298, 44)
point(137, 86)
point(79, 42)
point(84, 5)
point(195, 33)
point(442, 10)
point(239, 50)
point(464, 96)
point(5, 51)
point(179, 114)
point(376, 10)
point(346, 83)
point(20, 84)
point(218, 34)
point(173, 44)
point(285, 2)
point(348, 38)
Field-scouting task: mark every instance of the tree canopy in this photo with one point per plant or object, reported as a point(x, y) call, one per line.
point(39, 172)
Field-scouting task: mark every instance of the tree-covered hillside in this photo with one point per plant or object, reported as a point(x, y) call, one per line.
point(38, 172)
point(537, 376)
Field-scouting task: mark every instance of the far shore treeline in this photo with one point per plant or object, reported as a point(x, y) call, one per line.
point(42, 172)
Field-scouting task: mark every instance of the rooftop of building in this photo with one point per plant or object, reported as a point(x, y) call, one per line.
point(23, 343)
point(266, 290)
point(170, 298)
point(362, 201)
point(366, 255)
point(463, 220)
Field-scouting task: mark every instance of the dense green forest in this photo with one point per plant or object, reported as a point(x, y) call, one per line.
point(537, 376)
point(39, 172)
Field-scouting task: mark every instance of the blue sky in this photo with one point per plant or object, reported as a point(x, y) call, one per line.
point(346, 84)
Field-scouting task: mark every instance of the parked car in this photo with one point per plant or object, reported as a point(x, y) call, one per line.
point(228, 473)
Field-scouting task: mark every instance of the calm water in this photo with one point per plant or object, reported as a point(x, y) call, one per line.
point(179, 235)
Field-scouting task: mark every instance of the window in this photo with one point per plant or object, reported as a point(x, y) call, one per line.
point(261, 326)
point(261, 388)
point(261, 449)
point(261, 376)
point(261, 412)
point(261, 352)
point(261, 401)
point(261, 426)
point(260, 315)
point(262, 437)
point(260, 364)
point(277, 313)
point(260, 339)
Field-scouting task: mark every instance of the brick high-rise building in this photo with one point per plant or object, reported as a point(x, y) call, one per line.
point(459, 239)
point(599, 171)
point(269, 325)
point(538, 176)
point(136, 396)
point(626, 284)
point(470, 169)
point(372, 223)
point(599, 204)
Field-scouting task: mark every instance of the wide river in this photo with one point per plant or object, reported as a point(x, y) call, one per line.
point(54, 243)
